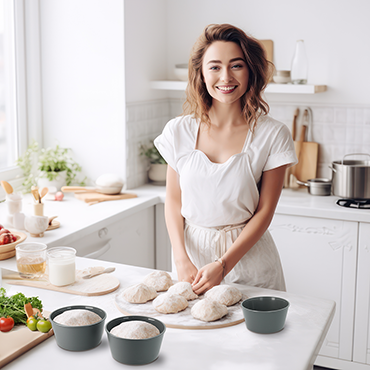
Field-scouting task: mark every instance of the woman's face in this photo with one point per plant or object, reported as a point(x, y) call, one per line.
point(225, 72)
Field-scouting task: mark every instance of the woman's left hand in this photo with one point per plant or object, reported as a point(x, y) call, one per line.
point(207, 277)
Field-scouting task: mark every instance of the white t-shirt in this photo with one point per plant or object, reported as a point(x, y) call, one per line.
point(220, 194)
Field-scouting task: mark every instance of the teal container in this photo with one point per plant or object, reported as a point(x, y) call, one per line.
point(135, 351)
point(78, 338)
point(265, 315)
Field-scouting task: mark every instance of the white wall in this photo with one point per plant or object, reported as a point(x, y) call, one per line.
point(335, 33)
point(83, 86)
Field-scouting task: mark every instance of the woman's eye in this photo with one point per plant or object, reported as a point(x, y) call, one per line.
point(236, 66)
point(214, 68)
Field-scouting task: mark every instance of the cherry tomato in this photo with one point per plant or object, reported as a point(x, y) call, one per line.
point(43, 325)
point(32, 323)
point(6, 324)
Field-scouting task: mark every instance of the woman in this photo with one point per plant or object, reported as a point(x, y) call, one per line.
point(227, 159)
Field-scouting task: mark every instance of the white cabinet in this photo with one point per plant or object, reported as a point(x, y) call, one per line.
point(319, 259)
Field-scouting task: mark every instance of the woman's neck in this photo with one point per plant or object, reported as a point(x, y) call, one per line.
point(225, 114)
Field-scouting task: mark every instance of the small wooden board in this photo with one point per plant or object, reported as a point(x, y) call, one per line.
point(97, 197)
point(98, 285)
point(54, 225)
point(307, 153)
point(19, 340)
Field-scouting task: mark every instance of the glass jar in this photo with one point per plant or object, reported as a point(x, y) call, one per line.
point(31, 260)
point(299, 70)
point(62, 265)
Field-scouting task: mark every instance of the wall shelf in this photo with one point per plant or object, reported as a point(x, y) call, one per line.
point(271, 88)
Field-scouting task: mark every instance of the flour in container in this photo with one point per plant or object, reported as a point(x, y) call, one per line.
point(79, 317)
point(135, 330)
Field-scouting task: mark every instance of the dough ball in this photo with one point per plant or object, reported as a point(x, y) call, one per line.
point(159, 280)
point(207, 310)
point(77, 318)
point(184, 289)
point(135, 330)
point(224, 294)
point(170, 303)
point(139, 293)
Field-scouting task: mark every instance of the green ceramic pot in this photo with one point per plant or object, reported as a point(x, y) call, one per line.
point(265, 315)
point(135, 351)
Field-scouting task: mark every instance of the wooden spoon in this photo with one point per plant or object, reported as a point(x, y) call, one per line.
point(43, 192)
point(106, 271)
point(7, 187)
point(35, 193)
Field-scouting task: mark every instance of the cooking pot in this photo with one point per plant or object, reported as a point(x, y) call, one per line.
point(317, 186)
point(351, 178)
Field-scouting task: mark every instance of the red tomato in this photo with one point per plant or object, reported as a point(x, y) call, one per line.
point(6, 324)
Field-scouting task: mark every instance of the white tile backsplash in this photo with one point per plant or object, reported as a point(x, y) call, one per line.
point(339, 130)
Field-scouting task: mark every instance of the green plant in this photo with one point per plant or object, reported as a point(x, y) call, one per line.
point(152, 153)
point(37, 163)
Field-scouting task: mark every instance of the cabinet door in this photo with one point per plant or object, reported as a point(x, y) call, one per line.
point(319, 260)
point(361, 351)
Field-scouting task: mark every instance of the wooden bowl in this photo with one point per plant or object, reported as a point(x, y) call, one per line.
point(11, 246)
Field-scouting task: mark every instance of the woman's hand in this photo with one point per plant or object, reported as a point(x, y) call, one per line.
point(208, 276)
point(186, 271)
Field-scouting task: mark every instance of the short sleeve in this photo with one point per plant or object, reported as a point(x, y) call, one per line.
point(282, 150)
point(165, 143)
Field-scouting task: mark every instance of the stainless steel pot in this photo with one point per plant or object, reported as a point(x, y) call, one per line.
point(351, 178)
point(317, 186)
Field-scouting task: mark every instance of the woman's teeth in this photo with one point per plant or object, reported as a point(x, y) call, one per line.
point(228, 88)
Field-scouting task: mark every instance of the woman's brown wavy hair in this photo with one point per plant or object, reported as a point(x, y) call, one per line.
point(198, 101)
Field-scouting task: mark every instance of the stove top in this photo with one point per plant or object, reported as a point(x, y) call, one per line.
point(354, 203)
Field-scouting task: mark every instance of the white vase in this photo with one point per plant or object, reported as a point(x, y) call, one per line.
point(299, 64)
point(57, 183)
point(157, 172)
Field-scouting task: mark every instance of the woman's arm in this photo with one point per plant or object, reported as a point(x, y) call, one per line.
point(186, 271)
point(271, 186)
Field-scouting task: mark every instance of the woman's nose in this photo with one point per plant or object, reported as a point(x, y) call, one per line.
point(226, 75)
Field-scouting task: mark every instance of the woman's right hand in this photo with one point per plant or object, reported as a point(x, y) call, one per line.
point(186, 271)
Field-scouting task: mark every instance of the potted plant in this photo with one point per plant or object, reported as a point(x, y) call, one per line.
point(158, 166)
point(51, 167)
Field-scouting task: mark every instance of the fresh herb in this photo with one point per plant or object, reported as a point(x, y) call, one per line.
point(14, 306)
point(152, 153)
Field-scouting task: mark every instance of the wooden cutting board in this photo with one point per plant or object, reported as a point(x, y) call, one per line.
point(18, 341)
point(93, 198)
point(307, 153)
point(98, 285)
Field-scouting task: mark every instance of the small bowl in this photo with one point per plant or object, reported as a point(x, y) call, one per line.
point(282, 77)
point(78, 338)
point(135, 351)
point(265, 315)
point(36, 225)
point(181, 71)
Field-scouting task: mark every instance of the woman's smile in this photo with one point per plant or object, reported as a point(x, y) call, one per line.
point(226, 89)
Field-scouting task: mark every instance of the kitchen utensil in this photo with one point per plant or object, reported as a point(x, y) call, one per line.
point(319, 186)
point(106, 271)
point(35, 193)
point(78, 338)
point(265, 315)
point(36, 225)
point(135, 351)
point(31, 260)
point(43, 192)
point(19, 341)
point(7, 187)
point(100, 285)
point(351, 178)
point(62, 265)
point(95, 197)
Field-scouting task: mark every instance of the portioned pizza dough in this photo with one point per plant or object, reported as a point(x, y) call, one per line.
point(170, 303)
point(135, 330)
point(184, 289)
point(207, 310)
point(139, 293)
point(77, 318)
point(224, 294)
point(159, 280)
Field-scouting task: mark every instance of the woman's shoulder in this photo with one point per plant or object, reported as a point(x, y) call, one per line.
point(267, 125)
point(183, 125)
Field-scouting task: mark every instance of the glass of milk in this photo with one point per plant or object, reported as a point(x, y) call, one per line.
point(62, 265)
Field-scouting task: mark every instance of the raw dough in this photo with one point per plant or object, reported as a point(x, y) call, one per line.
point(224, 294)
point(184, 289)
point(77, 318)
point(139, 293)
point(159, 280)
point(207, 310)
point(170, 303)
point(135, 330)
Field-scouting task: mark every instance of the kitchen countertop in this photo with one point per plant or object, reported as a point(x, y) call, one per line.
point(78, 219)
point(295, 347)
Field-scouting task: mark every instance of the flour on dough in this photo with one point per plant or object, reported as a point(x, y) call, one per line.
point(170, 303)
point(139, 293)
point(207, 310)
point(135, 330)
point(184, 289)
point(224, 294)
point(77, 318)
point(159, 280)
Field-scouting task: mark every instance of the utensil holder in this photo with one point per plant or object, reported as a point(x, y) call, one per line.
point(38, 209)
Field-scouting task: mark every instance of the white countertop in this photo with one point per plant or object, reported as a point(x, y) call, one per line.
point(235, 347)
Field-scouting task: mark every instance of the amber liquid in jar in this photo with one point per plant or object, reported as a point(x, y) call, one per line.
point(31, 268)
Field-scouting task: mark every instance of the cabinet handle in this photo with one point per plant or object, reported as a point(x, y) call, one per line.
point(99, 252)
point(103, 232)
